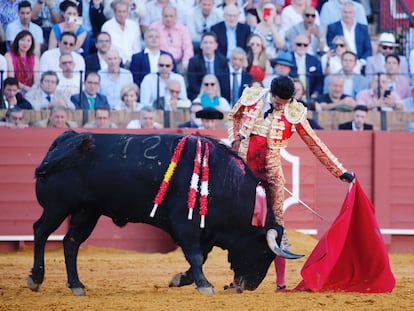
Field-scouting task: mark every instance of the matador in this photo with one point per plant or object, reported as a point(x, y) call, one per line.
point(258, 136)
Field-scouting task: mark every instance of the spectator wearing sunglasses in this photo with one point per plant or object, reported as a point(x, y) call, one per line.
point(306, 67)
point(67, 44)
point(171, 101)
point(154, 84)
point(294, 13)
point(386, 46)
point(331, 61)
point(309, 27)
point(210, 96)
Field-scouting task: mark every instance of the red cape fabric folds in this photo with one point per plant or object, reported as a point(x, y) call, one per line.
point(351, 256)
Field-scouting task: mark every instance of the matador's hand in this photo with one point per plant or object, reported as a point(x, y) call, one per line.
point(235, 145)
point(347, 177)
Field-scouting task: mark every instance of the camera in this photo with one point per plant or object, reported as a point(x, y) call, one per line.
point(387, 93)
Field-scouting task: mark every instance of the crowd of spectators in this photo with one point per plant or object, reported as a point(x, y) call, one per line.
point(147, 55)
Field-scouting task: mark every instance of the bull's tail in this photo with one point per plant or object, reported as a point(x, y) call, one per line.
point(65, 152)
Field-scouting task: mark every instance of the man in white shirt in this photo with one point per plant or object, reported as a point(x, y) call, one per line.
point(50, 58)
point(125, 33)
point(69, 82)
point(114, 78)
point(202, 17)
point(154, 85)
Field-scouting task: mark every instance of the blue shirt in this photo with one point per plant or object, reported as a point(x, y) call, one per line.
point(112, 88)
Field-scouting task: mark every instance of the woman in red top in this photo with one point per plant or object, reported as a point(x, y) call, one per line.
point(22, 63)
point(258, 64)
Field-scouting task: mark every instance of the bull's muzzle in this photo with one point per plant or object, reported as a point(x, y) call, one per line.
point(279, 251)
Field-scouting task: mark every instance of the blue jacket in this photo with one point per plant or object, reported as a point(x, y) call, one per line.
point(225, 87)
point(242, 35)
point(140, 65)
point(362, 38)
point(100, 101)
point(197, 70)
point(313, 72)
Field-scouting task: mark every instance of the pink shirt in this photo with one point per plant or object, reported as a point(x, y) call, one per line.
point(366, 97)
point(176, 40)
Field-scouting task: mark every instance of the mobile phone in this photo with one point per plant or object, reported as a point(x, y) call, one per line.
point(387, 93)
point(75, 19)
point(266, 13)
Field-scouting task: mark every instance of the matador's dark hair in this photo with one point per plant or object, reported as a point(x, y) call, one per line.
point(283, 87)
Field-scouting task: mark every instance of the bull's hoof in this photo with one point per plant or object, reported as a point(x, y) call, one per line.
point(78, 291)
point(233, 289)
point(181, 279)
point(208, 291)
point(32, 285)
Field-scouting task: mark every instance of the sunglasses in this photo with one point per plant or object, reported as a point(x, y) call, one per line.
point(386, 47)
point(165, 65)
point(209, 84)
point(68, 43)
point(302, 44)
point(341, 45)
point(310, 15)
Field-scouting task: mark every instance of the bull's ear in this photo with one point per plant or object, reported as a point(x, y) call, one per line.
point(271, 242)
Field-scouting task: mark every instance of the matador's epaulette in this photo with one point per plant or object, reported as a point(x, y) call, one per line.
point(251, 95)
point(295, 111)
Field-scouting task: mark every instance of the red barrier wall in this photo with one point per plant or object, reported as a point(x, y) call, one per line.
point(383, 162)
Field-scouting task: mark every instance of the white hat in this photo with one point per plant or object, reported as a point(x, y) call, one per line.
point(387, 38)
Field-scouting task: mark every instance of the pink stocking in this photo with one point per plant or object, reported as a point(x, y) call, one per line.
point(280, 267)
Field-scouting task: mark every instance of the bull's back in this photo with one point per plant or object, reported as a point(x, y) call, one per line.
point(110, 170)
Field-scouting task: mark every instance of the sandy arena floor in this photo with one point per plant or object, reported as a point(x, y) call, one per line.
point(125, 280)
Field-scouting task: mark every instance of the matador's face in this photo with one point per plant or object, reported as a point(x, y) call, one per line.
point(278, 103)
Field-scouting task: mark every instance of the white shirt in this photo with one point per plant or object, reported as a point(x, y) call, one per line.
point(50, 61)
point(3, 66)
point(128, 41)
point(148, 92)
point(153, 60)
point(16, 26)
point(68, 87)
point(349, 36)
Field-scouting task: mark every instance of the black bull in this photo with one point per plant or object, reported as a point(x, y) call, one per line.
point(86, 175)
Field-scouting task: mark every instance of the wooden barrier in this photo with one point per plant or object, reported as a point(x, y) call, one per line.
point(383, 162)
point(329, 120)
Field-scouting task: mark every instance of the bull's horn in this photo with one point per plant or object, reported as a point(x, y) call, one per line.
point(271, 241)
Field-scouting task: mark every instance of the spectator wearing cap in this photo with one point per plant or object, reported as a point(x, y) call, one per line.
point(358, 121)
point(282, 65)
point(386, 45)
point(209, 117)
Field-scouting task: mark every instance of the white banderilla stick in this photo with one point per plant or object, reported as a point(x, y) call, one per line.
point(304, 204)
